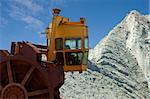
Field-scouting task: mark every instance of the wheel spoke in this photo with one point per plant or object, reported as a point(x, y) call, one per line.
point(28, 74)
point(38, 92)
point(9, 70)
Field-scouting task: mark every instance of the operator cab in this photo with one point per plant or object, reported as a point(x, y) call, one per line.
point(68, 42)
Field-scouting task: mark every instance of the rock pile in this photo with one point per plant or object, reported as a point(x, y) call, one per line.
point(119, 65)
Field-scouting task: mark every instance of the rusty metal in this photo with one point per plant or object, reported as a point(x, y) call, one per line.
point(24, 75)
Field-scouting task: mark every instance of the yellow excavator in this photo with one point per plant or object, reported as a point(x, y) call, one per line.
point(31, 71)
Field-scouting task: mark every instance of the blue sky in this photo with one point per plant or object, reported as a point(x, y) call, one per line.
point(24, 20)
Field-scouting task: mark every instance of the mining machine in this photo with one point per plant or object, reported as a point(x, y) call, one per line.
point(33, 71)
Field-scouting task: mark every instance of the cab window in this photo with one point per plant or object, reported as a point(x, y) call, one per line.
point(86, 43)
point(58, 44)
point(73, 44)
point(73, 58)
point(86, 57)
point(60, 58)
point(48, 43)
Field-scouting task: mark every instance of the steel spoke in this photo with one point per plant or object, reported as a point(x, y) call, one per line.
point(9, 70)
point(38, 92)
point(28, 74)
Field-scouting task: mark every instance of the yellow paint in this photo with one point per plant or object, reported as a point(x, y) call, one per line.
point(62, 28)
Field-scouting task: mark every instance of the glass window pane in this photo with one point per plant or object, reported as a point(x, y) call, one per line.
point(58, 44)
point(86, 43)
point(79, 44)
point(73, 44)
point(60, 58)
point(73, 58)
point(70, 44)
point(86, 57)
point(48, 43)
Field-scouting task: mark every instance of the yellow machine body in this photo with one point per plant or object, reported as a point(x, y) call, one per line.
point(68, 42)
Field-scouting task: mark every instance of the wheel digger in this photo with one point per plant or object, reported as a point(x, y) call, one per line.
point(31, 71)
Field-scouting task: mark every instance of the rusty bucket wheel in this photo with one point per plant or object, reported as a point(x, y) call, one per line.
point(22, 79)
